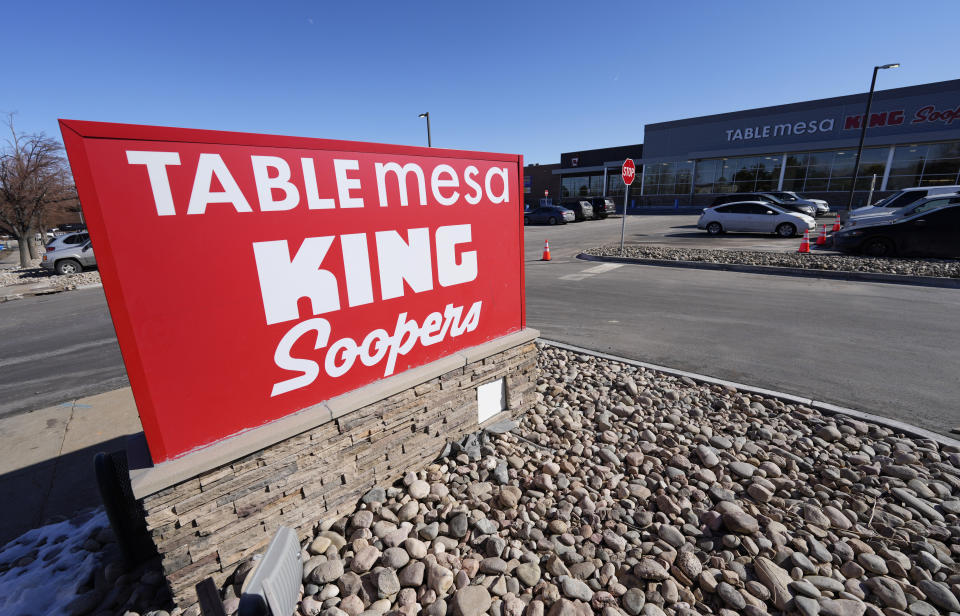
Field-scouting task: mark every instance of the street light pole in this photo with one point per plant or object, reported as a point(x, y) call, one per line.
point(863, 133)
point(426, 115)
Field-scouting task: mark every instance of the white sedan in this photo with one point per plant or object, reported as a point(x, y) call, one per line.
point(754, 217)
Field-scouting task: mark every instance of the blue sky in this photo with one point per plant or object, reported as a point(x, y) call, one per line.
point(534, 78)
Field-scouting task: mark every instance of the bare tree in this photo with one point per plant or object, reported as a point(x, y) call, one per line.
point(34, 175)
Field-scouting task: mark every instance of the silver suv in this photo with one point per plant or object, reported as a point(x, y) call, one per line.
point(70, 259)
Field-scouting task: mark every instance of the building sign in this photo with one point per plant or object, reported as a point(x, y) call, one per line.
point(783, 129)
point(928, 114)
point(904, 117)
point(922, 112)
point(253, 276)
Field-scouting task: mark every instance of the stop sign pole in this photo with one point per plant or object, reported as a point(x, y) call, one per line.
point(629, 173)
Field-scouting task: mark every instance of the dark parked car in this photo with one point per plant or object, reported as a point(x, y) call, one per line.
point(581, 207)
point(809, 210)
point(933, 233)
point(549, 214)
point(602, 207)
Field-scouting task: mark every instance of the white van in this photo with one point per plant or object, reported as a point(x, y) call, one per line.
point(902, 198)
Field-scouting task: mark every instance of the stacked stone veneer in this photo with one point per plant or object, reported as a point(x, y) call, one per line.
point(206, 525)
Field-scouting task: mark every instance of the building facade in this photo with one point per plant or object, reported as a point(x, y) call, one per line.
point(913, 139)
point(539, 181)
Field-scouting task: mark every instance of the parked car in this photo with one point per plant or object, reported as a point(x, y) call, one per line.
point(884, 216)
point(602, 207)
point(808, 210)
point(788, 196)
point(70, 259)
point(68, 239)
point(903, 198)
point(929, 233)
point(581, 207)
point(754, 217)
point(549, 214)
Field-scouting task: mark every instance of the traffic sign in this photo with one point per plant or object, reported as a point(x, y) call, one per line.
point(629, 172)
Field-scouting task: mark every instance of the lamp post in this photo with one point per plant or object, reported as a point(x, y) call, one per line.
point(863, 133)
point(426, 115)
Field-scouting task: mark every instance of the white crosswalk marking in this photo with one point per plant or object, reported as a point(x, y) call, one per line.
point(603, 267)
point(592, 271)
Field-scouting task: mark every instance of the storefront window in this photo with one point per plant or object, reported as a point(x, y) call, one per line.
point(832, 170)
point(587, 185)
point(768, 173)
point(745, 174)
point(667, 178)
point(935, 164)
point(706, 176)
point(872, 163)
point(795, 172)
point(615, 183)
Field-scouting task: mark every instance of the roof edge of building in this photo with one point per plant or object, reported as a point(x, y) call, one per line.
point(878, 95)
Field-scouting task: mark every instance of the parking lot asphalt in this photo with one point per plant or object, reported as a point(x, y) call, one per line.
point(55, 348)
point(869, 346)
point(673, 230)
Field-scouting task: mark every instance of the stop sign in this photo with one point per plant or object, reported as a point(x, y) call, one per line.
point(629, 172)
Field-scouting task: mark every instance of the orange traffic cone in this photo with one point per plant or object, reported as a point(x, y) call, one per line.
point(822, 238)
point(805, 244)
point(836, 225)
point(546, 250)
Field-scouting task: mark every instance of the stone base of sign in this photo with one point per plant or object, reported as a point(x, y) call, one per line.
point(210, 510)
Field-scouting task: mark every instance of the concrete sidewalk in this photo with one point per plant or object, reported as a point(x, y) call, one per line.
point(46, 465)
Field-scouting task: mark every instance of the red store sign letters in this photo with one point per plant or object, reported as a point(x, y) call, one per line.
point(928, 113)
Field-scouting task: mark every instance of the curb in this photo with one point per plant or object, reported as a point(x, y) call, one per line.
point(35, 293)
point(824, 407)
point(800, 272)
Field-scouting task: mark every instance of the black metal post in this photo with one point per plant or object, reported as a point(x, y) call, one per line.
point(426, 114)
point(863, 134)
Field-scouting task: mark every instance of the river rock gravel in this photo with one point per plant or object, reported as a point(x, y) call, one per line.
point(628, 491)
point(937, 268)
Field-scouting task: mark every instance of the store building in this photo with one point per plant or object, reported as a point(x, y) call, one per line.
point(596, 173)
point(539, 182)
point(913, 139)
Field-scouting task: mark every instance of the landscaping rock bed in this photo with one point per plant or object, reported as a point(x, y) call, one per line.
point(45, 278)
point(937, 268)
point(628, 491)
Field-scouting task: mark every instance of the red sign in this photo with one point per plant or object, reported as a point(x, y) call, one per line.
point(896, 117)
point(629, 172)
point(252, 276)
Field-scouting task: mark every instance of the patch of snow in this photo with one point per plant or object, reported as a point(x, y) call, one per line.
point(45, 586)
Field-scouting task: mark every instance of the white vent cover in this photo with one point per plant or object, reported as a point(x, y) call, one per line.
point(491, 399)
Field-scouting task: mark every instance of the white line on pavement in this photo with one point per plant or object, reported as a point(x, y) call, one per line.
point(13, 361)
point(592, 271)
